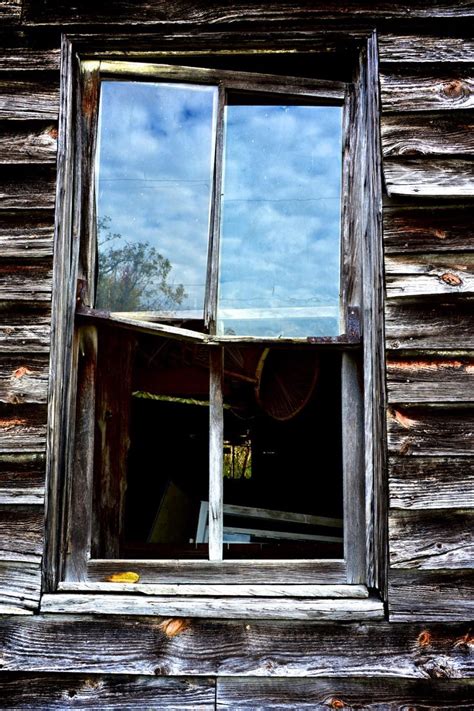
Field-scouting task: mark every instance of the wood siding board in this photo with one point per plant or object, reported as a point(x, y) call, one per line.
point(429, 89)
point(409, 229)
point(27, 99)
point(57, 12)
point(222, 590)
point(410, 276)
point(21, 534)
point(431, 482)
point(24, 237)
point(28, 143)
point(10, 11)
point(263, 608)
point(32, 191)
point(440, 177)
point(424, 595)
point(242, 571)
point(424, 431)
point(418, 48)
point(428, 134)
point(431, 539)
point(21, 478)
point(24, 379)
point(151, 647)
point(110, 693)
point(430, 379)
point(18, 59)
point(22, 428)
point(26, 281)
point(443, 325)
point(321, 694)
point(20, 588)
point(27, 338)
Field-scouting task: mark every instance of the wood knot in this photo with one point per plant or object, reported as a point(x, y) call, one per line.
point(454, 89)
point(424, 639)
point(451, 279)
point(440, 234)
point(336, 703)
point(171, 628)
point(20, 372)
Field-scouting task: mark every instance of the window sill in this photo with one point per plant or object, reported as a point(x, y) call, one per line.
point(225, 607)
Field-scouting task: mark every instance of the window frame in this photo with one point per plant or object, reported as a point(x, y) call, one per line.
point(68, 563)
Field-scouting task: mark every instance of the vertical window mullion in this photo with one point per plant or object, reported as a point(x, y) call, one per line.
point(210, 306)
point(216, 446)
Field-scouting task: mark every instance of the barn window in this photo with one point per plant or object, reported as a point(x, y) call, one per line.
point(216, 390)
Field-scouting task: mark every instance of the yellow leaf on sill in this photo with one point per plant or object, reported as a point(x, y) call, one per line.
point(127, 577)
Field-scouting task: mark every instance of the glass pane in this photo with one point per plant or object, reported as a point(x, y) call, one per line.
point(281, 215)
point(154, 177)
point(282, 454)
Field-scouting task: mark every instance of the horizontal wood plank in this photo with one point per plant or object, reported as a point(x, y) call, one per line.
point(432, 177)
point(431, 596)
point(20, 588)
point(23, 99)
point(17, 59)
point(22, 428)
point(276, 572)
point(22, 478)
point(263, 608)
point(320, 694)
point(27, 338)
point(438, 325)
point(431, 482)
point(10, 11)
point(431, 89)
point(112, 693)
point(24, 379)
point(28, 143)
point(24, 237)
point(427, 228)
point(21, 534)
point(221, 590)
point(170, 647)
point(414, 380)
point(411, 275)
point(428, 134)
point(21, 191)
point(417, 48)
point(431, 540)
point(430, 431)
point(26, 282)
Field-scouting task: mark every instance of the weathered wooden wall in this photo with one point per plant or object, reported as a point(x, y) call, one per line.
point(422, 655)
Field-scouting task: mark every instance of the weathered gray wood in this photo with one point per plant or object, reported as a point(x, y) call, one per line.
point(26, 282)
point(414, 380)
point(56, 12)
point(433, 325)
point(216, 448)
point(431, 596)
point(240, 571)
point(22, 236)
point(26, 59)
point(320, 694)
point(430, 177)
point(22, 478)
point(113, 693)
point(88, 315)
point(263, 608)
point(24, 380)
point(431, 539)
point(416, 48)
point(428, 134)
point(20, 588)
point(26, 191)
point(431, 89)
point(22, 428)
point(224, 648)
point(10, 11)
point(27, 338)
point(222, 590)
point(429, 274)
point(21, 534)
point(430, 432)
point(27, 143)
point(431, 483)
point(432, 228)
point(22, 99)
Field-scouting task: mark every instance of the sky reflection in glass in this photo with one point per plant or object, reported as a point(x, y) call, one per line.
point(281, 215)
point(154, 177)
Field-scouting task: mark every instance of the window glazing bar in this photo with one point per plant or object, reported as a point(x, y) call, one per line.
point(216, 447)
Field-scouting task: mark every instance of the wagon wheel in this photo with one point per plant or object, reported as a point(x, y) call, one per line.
point(285, 381)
